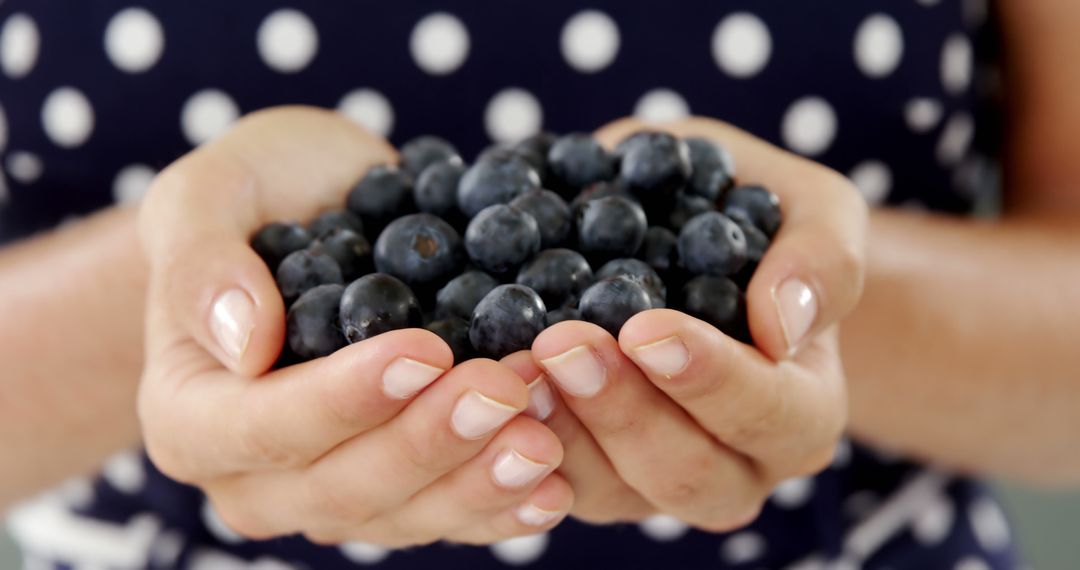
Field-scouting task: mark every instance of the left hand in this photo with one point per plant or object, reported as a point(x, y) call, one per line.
point(677, 418)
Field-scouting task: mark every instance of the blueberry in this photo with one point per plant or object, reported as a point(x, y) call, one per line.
point(423, 151)
point(756, 244)
point(610, 227)
point(717, 301)
point(551, 213)
point(759, 205)
point(577, 160)
point(639, 272)
point(538, 144)
point(595, 192)
point(276, 240)
point(518, 152)
point(557, 275)
point(563, 314)
point(455, 333)
point(660, 249)
point(335, 219)
point(494, 180)
point(436, 189)
point(500, 238)
point(654, 166)
point(384, 193)
point(712, 166)
point(712, 243)
point(350, 250)
point(303, 270)
point(460, 296)
point(420, 249)
point(312, 322)
point(686, 207)
point(611, 302)
point(377, 303)
point(507, 320)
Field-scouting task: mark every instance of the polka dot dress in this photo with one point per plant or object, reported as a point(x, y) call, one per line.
point(98, 96)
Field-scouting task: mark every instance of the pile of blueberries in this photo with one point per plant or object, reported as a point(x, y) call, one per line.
point(546, 230)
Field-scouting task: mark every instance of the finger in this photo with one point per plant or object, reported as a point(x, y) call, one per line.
point(787, 416)
point(542, 510)
point(652, 443)
point(601, 496)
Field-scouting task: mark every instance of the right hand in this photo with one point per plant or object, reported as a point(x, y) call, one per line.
point(320, 448)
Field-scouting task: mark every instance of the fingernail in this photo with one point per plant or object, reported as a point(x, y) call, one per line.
point(533, 515)
point(541, 400)
point(512, 469)
point(476, 415)
point(578, 371)
point(405, 377)
point(232, 318)
point(665, 357)
point(797, 306)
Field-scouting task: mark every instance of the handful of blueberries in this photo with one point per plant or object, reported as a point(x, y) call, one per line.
point(546, 230)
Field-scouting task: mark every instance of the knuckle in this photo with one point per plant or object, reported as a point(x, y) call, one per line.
point(255, 443)
point(733, 519)
point(242, 519)
point(689, 487)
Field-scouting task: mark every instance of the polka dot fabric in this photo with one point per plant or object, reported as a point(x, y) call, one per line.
point(96, 97)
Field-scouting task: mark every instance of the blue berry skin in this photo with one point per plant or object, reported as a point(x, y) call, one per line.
point(551, 213)
point(538, 144)
point(384, 193)
point(611, 302)
point(420, 249)
point(274, 241)
point(756, 245)
point(660, 249)
point(713, 244)
point(494, 180)
point(312, 323)
point(655, 166)
point(423, 151)
point(303, 270)
point(459, 297)
point(610, 228)
point(436, 189)
point(455, 333)
point(639, 272)
point(757, 204)
point(557, 275)
point(500, 238)
point(333, 220)
point(595, 192)
point(686, 207)
point(719, 302)
point(518, 152)
point(713, 169)
point(507, 320)
point(377, 303)
point(563, 314)
point(577, 160)
point(350, 250)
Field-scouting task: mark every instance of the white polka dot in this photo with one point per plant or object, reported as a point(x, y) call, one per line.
point(741, 45)
point(33, 562)
point(24, 167)
point(860, 504)
point(206, 115)
point(928, 2)
point(955, 138)
point(971, 563)
point(922, 114)
point(742, 547)
point(989, 523)
point(19, 44)
point(125, 472)
point(166, 549)
point(793, 493)
point(439, 43)
point(845, 563)
point(814, 562)
point(370, 109)
point(67, 117)
point(842, 455)
point(217, 527)
point(873, 179)
point(878, 45)
point(663, 528)
point(134, 40)
point(76, 493)
point(207, 559)
point(132, 182)
point(809, 126)
point(287, 40)
point(512, 115)
point(3, 129)
point(957, 63)
point(933, 524)
point(660, 106)
point(271, 563)
point(363, 552)
point(521, 550)
point(590, 41)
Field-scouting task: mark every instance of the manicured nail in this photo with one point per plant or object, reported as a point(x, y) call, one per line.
point(797, 306)
point(578, 371)
point(541, 400)
point(405, 377)
point(512, 469)
point(666, 357)
point(475, 415)
point(232, 318)
point(533, 515)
